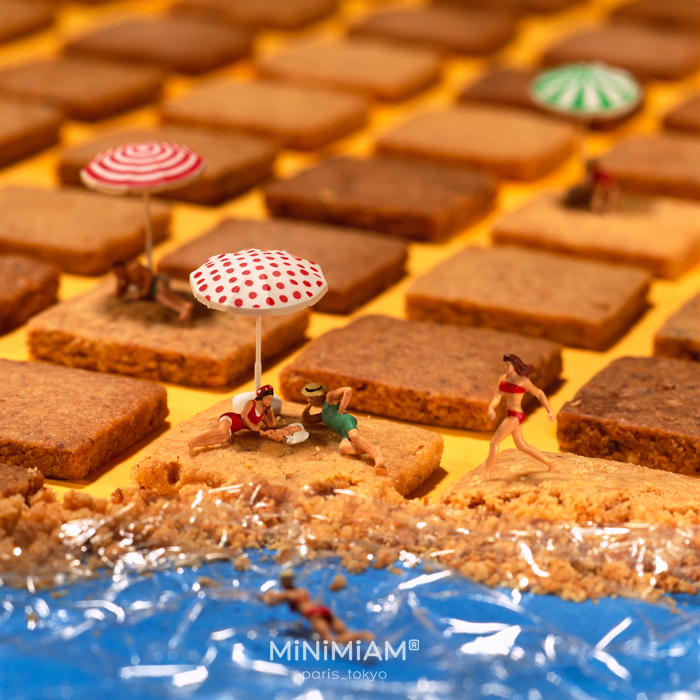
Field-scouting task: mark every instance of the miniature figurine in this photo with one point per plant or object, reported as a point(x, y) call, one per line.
point(136, 282)
point(598, 192)
point(250, 417)
point(512, 386)
point(329, 627)
point(333, 415)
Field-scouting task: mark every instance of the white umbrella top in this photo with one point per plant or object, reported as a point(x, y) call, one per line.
point(258, 282)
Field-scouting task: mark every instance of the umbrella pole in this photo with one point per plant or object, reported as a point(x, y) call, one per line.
point(149, 233)
point(258, 353)
point(580, 147)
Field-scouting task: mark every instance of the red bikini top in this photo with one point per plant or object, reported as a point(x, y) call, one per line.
point(254, 417)
point(509, 388)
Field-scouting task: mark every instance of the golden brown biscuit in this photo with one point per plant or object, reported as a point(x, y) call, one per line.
point(183, 44)
point(357, 265)
point(422, 201)
point(82, 232)
point(298, 117)
point(448, 29)
point(68, 422)
point(373, 68)
point(637, 409)
point(505, 142)
point(88, 90)
point(140, 338)
point(26, 128)
point(314, 466)
point(416, 370)
point(27, 286)
point(235, 162)
point(659, 234)
point(582, 303)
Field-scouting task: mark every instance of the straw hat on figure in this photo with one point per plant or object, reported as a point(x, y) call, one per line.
point(512, 386)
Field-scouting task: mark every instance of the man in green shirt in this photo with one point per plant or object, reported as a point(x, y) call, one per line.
point(333, 415)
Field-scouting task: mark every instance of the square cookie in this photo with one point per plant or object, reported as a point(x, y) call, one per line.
point(508, 143)
point(661, 235)
point(418, 371)
point(183, 44)
point(235, 162)
point(509, 87)
point(140, 338)
point(640, 410)
point(82, 232)
point(582, 303)
point(422, 201)
point(19, 18)
point(650, 54)
point(68, 422)
point(681, 15)
point(27, 286)
point(662, 164)
point(298, 117)
point(515, 6)
point(448, 29)
point(86, 90)
point(686, 116)
point(374, 68)
point(680, 335)
point(357, 265)
point(314, 466)
point(272, 14)
point(26, 128)
point(20, 480)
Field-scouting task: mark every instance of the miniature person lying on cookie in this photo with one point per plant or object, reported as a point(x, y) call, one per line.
point(257, 411)
point(333, 405)
point(136, 282)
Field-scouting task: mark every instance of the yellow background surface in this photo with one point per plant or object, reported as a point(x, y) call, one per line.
point(463, 450)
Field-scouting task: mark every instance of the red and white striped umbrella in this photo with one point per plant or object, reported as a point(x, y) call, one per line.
point(152, 166)
point(257, 283)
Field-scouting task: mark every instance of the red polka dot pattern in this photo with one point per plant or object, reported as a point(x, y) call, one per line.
point(257, 282)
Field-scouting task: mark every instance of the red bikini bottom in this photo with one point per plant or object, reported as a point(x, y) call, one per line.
point(517, 414)
point(320, 611)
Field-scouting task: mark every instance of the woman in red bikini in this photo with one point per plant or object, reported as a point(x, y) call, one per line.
point(256, 414)
point(325, 623)
point(512, 386)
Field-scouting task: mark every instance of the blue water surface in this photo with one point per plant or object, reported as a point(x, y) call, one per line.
point(203, 634)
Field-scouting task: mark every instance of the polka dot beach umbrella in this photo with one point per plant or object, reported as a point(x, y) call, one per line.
point(586, 91)
point(145, 168)
point(257, 283)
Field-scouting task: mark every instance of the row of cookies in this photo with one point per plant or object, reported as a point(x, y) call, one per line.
point(397, 217)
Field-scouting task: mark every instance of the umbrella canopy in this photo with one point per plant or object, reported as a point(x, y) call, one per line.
point(153, 166)
point(257, 283)
point(586, 90)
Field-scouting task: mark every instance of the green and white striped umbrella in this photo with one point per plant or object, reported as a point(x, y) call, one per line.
point(586, 90)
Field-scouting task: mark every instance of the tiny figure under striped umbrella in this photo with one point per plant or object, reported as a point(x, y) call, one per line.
point(149, 167)
point(587, 91)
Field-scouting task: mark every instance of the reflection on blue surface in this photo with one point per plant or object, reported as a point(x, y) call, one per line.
point(174, 635)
